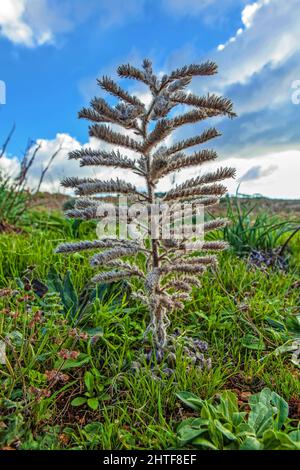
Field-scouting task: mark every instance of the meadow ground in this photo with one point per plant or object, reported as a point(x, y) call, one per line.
point(75, 376)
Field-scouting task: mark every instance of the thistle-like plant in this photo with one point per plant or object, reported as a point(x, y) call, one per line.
point(169, 271)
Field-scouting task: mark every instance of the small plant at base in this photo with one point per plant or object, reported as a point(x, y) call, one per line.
point(94, 391)
point(169, 272)
point(221, 426)
point(194, 352)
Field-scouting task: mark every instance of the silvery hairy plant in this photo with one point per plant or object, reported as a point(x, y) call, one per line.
point(171, 269)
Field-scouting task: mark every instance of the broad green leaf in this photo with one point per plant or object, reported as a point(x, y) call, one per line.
point(215, 434)
point(94, 428)
point(78, 401)
point(260, 418)
point(193, 422)
point(244, 429)
point(228, 404)
point(199, 441)
point(89, 380)
point(70, 363)
point(252, 342)
point(262, 397)
point(286, 443)
point(208, 411)
point(228, 434)
point(191, 400)
point(295, 436)
point(93, 403)
point(65, 288)
point(271, 440)
point(238, 418)
point(251, 443)
point(282, 408)
point(54, 282)
point(69, 295)
point(187, 434)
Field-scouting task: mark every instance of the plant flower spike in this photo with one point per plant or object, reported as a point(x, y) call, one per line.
point(170, 268)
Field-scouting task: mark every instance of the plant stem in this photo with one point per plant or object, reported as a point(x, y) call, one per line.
point(150, 188)
point(154, 245)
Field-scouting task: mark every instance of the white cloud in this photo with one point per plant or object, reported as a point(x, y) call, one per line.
point(273, 175)
point(278, 175)
point(62, 166)
point(10, 166)
point(257, 67)
point(247, 16)
point(257, 171)
point(259, 62)
point(17, 29)
point(249, 12)
point(269, 38)
point(33, 23)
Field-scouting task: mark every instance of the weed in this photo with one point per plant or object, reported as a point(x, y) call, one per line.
point(222, 426)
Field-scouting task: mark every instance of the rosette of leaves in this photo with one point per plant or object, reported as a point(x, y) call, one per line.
point(221, 425)
point(169, 272)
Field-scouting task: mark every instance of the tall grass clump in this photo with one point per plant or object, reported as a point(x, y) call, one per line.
point(262, 237)
point(15, 194)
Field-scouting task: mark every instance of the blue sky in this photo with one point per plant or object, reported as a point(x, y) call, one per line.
point(53, 50)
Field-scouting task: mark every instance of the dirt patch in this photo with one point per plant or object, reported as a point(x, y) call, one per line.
point(5, 227)
point(245, 384)
point(294, 408)
point(48, 201)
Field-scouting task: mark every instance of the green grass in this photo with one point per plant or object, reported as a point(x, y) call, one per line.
point(248, 231)
point(137, 409)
